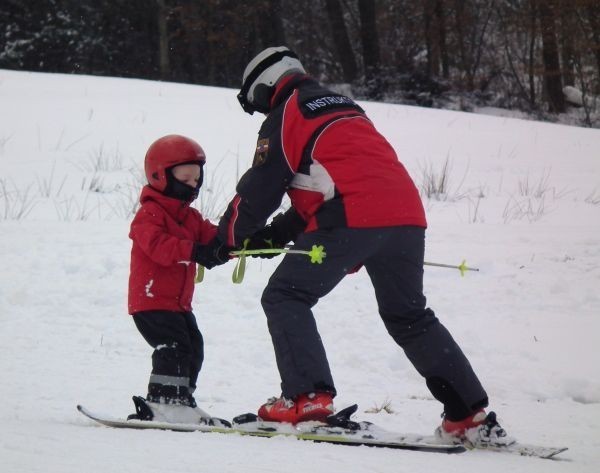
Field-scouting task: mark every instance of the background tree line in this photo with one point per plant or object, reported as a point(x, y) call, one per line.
point(517, 54)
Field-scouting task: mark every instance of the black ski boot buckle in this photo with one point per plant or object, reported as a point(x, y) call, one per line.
point(142, 410)
point(342, 419)
point(245, 418)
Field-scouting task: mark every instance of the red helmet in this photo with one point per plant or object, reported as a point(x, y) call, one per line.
point(167, 152)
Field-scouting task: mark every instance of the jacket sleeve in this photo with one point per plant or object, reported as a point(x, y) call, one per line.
point(260, 190)
point(148, 231)
point(205, 231)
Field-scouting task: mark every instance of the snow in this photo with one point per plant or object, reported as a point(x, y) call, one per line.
point(573, 95)
point(523, 205)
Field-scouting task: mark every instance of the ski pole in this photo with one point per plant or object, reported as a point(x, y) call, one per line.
point(462, 267)
point(316, 255)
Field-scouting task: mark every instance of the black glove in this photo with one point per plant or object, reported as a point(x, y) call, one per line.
point(284, 228)
point(213, 254)
point(262, 239)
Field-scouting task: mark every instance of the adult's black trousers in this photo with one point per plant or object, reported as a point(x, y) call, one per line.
point(393, 258)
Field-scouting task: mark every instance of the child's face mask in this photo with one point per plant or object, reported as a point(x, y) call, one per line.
point(184, 181)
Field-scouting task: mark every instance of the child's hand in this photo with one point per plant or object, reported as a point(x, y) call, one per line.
point(213, 254)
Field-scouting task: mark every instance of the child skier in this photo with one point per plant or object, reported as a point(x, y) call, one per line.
point(169, 237)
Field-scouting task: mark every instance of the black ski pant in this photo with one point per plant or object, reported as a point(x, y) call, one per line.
point(393, 258)
point(178, 352)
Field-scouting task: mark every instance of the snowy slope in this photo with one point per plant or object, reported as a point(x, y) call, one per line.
point(523, 205)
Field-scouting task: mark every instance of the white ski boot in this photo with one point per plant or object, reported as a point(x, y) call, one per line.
point(174, 411)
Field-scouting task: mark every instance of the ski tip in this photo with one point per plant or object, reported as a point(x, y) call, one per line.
point(555, 452)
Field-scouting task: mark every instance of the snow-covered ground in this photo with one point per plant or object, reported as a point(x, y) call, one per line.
point(523, 205)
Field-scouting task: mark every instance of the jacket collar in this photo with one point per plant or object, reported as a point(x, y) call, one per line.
point(172, 206)
point(285, 88)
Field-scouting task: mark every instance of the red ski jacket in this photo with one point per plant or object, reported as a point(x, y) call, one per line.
point(162, 272)
point(338, 170)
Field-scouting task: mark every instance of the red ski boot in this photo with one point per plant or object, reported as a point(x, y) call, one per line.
point(458, 428)
point(477, 430)
point(311, 406)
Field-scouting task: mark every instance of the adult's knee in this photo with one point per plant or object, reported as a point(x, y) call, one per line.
point(267, 299)
point(405, 327)
point(274, 305)
point(275, 295)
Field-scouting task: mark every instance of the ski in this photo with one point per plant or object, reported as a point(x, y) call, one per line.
point(522, 449)
point(250, 425)
point(339, 430)
point(117, 423)
point(356, 429)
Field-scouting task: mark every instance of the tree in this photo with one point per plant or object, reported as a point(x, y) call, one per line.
point(38, 35)
point(370, 47)
point(471, 20)
point(507, 53)
point(567, 26)
point(592, 13)
point(440, 14)
point(163, 40)
point(550, 55)
point(434, 16)
point(341, 40)
point(270, 21)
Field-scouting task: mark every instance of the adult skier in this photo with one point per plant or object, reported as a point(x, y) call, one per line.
point(349, 193)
